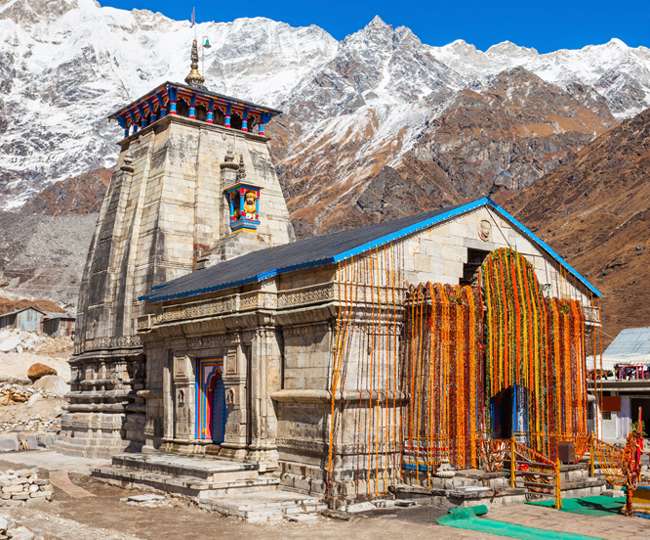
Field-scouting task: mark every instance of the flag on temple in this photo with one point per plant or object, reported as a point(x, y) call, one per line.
point(206, 42)
point(193, 16)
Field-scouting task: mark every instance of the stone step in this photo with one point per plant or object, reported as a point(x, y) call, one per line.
point(180, 484)
point(208, 469)
point(264, 506)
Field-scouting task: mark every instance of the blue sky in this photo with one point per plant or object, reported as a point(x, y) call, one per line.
point(546, 25)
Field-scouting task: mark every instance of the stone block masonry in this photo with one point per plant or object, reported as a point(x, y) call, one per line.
point(23, 486)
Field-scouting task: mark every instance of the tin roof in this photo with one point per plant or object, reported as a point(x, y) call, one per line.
point(630, 342)
point(330, 249)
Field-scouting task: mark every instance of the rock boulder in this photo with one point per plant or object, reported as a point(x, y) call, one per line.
point(52, 384)
point(38, 370)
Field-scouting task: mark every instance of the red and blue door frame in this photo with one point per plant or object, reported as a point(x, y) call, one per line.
point(211, 409)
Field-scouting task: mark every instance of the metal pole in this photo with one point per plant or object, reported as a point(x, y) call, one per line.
point(558, 486)
point(513, 463)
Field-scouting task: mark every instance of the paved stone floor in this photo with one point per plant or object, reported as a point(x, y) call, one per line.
point(104, 515)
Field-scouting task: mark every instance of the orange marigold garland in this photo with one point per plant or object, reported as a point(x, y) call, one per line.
point(533, 344)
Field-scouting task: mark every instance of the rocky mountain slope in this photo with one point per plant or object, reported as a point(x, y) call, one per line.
point(376, 125)
point(66, 64)
point(43, 244)
point(508, 133)
point(595, 210)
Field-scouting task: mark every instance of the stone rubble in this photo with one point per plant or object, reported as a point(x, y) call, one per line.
point(13, 394)
point(9, 529)
point(22, 486)
point(149, 500)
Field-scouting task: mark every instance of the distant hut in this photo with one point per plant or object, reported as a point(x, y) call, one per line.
point(58, 324)
point(39, 316)
point(27, 319)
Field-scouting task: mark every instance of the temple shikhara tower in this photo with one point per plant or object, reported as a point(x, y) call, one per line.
point(194, 184)
point(215, 355)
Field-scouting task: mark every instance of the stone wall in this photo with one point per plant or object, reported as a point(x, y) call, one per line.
point(18, 487)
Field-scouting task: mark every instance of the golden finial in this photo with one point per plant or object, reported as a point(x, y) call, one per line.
point(194, 77)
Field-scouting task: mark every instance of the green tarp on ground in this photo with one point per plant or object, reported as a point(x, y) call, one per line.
point(468, 519)
point(598, 505)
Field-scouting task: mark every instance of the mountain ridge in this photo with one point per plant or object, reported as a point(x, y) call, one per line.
point(375, 125)
point(64, 59)
point(595, 210)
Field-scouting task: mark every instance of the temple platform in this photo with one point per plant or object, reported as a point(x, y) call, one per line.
point(217, 485)
point(265, 506)
point(576, 482)
point(188, 476)
point(469, 487)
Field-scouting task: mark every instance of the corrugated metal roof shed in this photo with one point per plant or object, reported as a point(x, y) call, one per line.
point(630, 346)
point(630, 342)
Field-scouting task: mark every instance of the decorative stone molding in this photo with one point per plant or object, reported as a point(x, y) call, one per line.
point(208, 342)
point(120, 342)
point(317, 396)
point(249, 301)
point(306, 295)
point(218, 306)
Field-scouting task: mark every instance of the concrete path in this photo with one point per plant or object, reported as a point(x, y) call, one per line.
point(614, 526)
point(61, 480)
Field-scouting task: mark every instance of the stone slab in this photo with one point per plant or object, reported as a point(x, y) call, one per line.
point(9, 443)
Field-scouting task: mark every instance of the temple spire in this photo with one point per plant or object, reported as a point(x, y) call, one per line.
point(194, 77)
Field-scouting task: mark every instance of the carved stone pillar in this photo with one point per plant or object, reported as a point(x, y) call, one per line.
point(265, 379)
point(182, 396)
point(234, 379)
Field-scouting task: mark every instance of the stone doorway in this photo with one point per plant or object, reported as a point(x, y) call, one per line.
point(211, 409)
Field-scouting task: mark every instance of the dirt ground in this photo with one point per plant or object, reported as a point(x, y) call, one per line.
point(88, 510)
point(104, 516)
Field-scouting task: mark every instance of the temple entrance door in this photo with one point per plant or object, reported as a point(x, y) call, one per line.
point(509, 412)
point(211, 410)
point(218, 410)
point(501, 414)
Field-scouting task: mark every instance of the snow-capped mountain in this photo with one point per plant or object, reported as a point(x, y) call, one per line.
point(618, 72)
point(65, 65)
point(369, 100)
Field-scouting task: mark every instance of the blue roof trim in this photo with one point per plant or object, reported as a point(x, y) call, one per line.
point(537, 240)
point(412, 229)
point(377, 243)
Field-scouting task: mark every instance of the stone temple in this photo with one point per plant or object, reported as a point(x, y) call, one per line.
point(187, 157)
point(215, 353)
